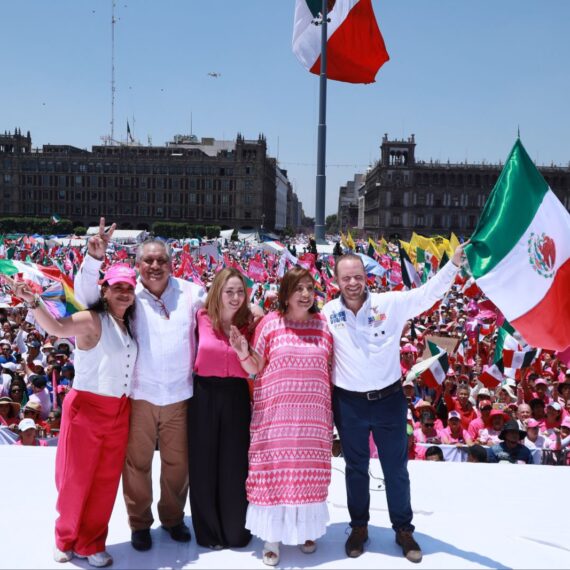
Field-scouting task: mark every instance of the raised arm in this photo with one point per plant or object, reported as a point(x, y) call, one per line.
point(86, 281)
point(84, 325)
point(421, 299)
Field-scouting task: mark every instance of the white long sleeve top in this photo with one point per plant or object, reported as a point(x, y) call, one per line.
point(367, 345)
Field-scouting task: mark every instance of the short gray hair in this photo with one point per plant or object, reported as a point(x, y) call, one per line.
point(153, 241)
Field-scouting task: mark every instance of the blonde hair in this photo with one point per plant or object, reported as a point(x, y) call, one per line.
point(213, 305)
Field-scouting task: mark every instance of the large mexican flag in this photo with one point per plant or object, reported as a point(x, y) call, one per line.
point(355, 48)
point(520, 253)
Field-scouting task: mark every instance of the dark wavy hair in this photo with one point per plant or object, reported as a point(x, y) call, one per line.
point(100, 306)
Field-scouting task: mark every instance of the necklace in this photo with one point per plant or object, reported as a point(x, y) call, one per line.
point(116, 318)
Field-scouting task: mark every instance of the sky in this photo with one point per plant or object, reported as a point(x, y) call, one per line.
point(463, 76)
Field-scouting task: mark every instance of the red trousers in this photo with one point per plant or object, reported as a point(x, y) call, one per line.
point(89, 461)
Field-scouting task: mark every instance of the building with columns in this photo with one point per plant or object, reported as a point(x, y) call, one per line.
point(403, 194)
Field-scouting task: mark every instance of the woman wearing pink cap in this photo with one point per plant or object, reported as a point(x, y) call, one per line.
point(95, 421)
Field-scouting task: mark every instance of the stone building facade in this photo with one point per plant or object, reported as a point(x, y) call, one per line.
point(348, 203)
point(402, 194)
point(227, 183)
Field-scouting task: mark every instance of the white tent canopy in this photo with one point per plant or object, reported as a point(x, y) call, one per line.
point(226, 234)
point(122, 236)
point(67, 242)
point(326, 248)
point(248, 235)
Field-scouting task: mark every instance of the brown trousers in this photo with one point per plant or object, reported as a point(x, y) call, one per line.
point(167, 426)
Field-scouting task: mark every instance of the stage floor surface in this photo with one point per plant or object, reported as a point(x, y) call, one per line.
point(466, 516)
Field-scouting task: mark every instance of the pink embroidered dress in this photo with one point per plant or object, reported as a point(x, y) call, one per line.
point(291, 431)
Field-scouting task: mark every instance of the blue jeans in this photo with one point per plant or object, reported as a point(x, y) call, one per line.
point(355, 417)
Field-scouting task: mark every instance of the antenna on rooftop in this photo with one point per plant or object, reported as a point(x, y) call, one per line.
point(113, 20)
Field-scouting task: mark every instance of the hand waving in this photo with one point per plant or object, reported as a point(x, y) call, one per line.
point(239, 342)
point(19, 289)
point(97, 244)
point(459, 255)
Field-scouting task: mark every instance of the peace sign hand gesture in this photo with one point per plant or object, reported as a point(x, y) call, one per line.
point(97, 244)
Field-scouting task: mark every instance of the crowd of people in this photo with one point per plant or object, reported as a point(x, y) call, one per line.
point(248, 389)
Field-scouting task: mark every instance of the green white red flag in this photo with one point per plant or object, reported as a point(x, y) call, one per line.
point(520, 253)
point(492, 376)
point(433, 370)
point(518, 359)
point(355, 47)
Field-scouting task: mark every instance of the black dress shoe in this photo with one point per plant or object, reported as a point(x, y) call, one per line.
point(179, 533)
point(141, 539)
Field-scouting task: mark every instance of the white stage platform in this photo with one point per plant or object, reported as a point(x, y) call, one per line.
point(466, 516)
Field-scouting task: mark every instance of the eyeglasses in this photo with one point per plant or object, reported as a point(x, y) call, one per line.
point(163, 310)
point(159, 260)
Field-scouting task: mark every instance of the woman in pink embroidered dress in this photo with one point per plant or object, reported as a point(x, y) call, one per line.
point(291, 425)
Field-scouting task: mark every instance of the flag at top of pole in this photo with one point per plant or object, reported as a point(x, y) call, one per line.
point(519, 254)
point(355, 47)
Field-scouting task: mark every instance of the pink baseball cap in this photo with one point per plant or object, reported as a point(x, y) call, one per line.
point(532, 423)
point(454, 414)
point(540, 381)
point(120, 273)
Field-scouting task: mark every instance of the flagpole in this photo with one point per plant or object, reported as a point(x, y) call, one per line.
point(321, 182)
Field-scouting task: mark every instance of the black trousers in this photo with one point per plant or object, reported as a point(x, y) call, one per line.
point(219, 414)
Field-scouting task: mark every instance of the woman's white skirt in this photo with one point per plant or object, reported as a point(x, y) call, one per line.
point(288, 524)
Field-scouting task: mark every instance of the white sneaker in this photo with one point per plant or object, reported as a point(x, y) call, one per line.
point(98, 560)
point(62, 555)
